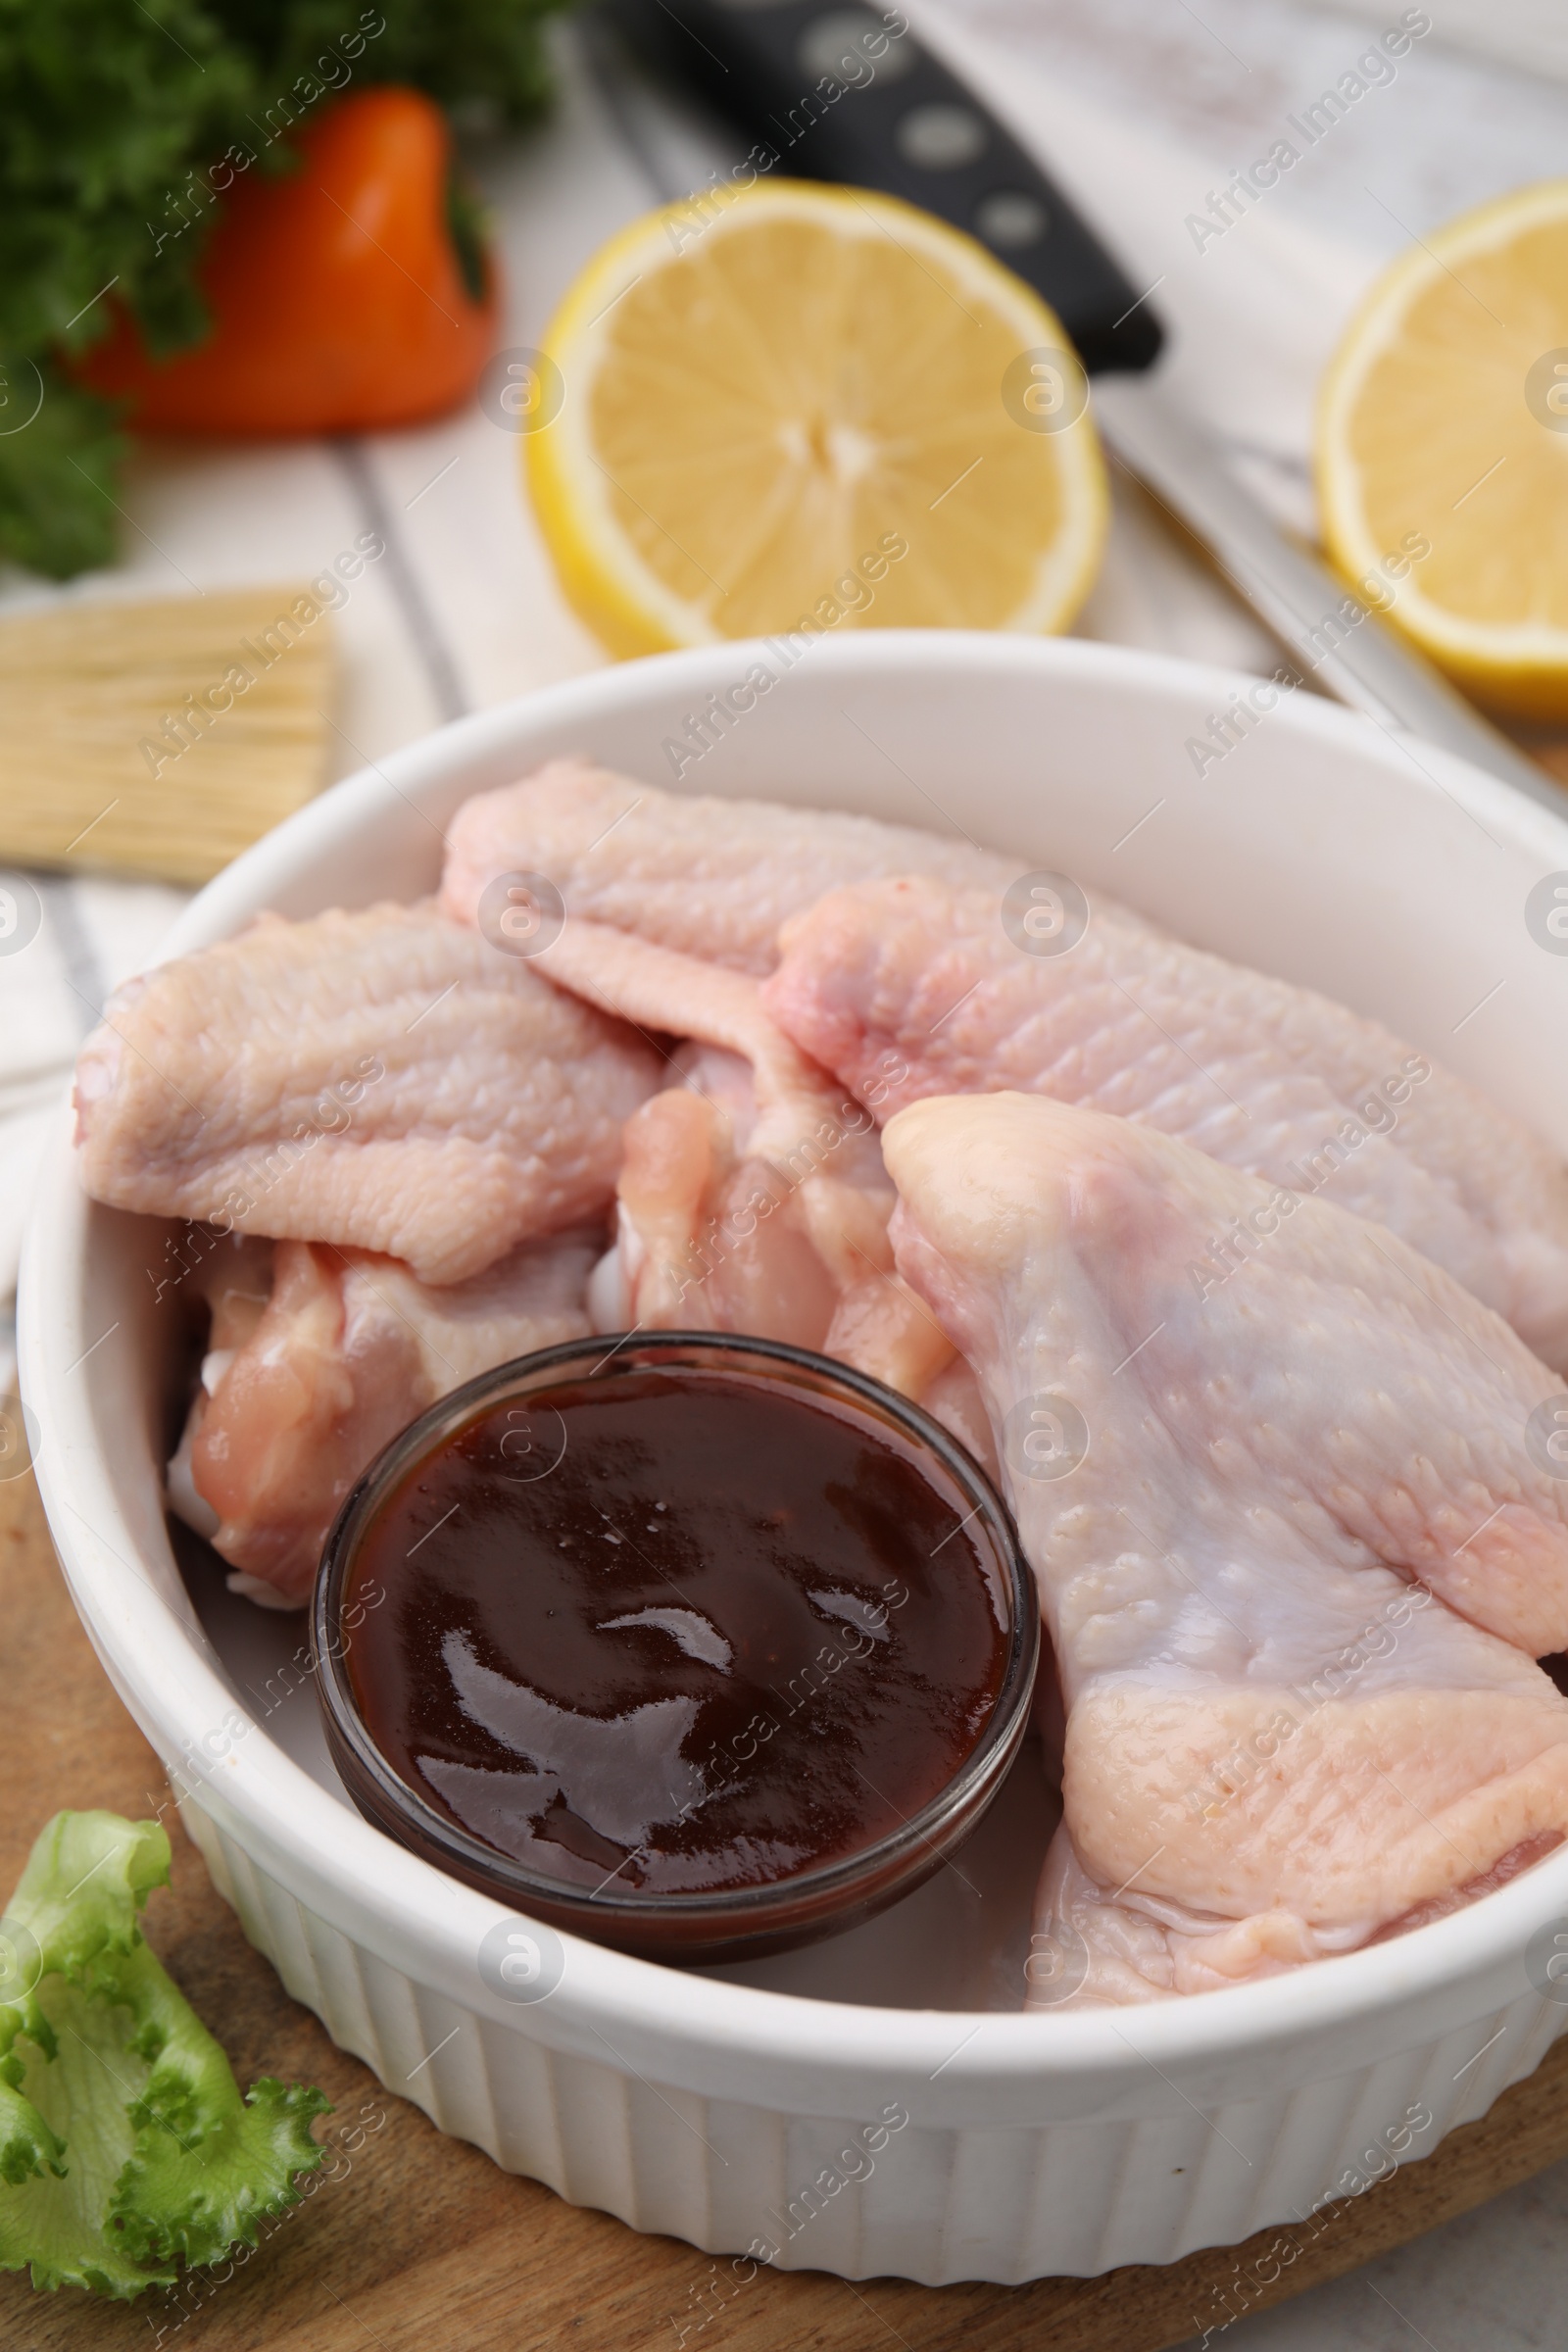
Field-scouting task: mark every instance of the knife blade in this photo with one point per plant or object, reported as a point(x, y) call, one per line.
point(843, 90)
point(1338, 640)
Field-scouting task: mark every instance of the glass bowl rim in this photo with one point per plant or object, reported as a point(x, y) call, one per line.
point(976, 1778)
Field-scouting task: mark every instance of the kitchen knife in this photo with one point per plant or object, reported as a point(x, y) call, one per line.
point(901, 121)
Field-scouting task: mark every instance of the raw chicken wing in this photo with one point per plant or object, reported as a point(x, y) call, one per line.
point(307, 1378)
point(753, 1197)
point(713, 878)
point(383, 1079)
point(1296, 1548)
point(910, 988)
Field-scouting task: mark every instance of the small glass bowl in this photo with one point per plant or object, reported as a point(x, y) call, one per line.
point(737, 1923)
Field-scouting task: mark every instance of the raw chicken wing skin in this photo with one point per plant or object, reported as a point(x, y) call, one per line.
point(304, 1387)
point(753, 1197)
point(383, 1080)
point(712, 878)
point(915, 988)
point(1294, 1549)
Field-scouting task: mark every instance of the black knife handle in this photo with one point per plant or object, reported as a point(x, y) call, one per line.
point(834, 91)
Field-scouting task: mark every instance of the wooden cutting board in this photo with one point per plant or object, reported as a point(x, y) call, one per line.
point(420, 2244)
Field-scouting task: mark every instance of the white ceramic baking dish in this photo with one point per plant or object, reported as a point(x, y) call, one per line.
point(862, 2131)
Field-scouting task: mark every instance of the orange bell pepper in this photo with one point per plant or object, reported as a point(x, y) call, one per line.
point(336, 294)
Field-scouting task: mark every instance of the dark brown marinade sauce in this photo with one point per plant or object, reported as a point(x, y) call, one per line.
point(690, 1630)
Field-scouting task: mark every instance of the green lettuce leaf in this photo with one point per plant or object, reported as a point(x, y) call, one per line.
point(125, 2143)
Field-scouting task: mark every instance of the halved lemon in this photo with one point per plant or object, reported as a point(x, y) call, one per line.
point(1442, 449)
point(797, 404)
